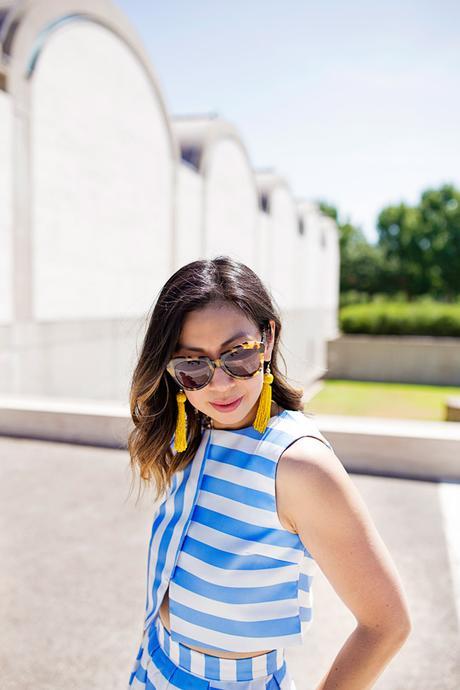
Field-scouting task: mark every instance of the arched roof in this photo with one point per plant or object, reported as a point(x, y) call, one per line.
point(197, 134)
point(304, 206)
point(25, 25)
point(267, 182)
point(311, 208)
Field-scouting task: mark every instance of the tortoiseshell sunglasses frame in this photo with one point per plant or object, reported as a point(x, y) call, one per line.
point(213, 363)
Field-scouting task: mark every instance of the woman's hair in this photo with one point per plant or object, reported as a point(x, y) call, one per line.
point(153, 391)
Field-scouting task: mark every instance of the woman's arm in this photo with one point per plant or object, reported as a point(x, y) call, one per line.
point(335, 526)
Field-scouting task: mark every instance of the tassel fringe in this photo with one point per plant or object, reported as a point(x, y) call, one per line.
point(259, 424)
point(265, 402)
point(180, 438)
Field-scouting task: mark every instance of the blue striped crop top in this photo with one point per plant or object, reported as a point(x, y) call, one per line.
point(241, 582)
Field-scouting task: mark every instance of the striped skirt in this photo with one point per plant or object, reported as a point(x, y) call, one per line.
point(163, 664)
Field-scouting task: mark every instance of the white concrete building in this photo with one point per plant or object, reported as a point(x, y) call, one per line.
point(215, 181)
point(280, 240)
point(103, 196)
point(330, 261)
point(87, 223)
point(319, 282)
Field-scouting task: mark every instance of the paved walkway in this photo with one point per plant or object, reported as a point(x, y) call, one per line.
point(73, 549)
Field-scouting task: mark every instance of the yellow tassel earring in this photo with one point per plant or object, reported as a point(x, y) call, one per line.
point(265, 402)
point(180, 438)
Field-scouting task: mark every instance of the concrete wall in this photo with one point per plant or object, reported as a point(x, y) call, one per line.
point(316, 273)
point(189, 215)
point(230, 203)
point(299, 265)
point(89, 194)
point(405, 359)
point(312, 276)
point(6, 208)
point(283, 228)
point(330, 276)
point(263, 234)
point(75, 359)
point(102, 178)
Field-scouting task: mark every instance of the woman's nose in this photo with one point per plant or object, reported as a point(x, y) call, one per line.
point(220, 378)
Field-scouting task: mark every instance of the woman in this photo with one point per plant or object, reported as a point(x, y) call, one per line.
point(252, 498)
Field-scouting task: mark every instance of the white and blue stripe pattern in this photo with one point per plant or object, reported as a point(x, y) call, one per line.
point(241, 582)
point(238, 580)
point(169, 527)
point(163, 664)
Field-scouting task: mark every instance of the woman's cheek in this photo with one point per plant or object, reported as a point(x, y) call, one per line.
point(195, 399)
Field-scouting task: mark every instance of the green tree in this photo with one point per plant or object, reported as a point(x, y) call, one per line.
point(400, 239)
point(440, 222)
point(421, 244)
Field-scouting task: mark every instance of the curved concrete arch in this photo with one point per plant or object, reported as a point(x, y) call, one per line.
point(197, 134)
point(213, 148)
point(26, 24)
point(268, 181)
point(26, 29)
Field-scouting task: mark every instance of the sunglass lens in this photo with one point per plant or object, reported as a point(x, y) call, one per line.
point(192, 374)
point(243, 362)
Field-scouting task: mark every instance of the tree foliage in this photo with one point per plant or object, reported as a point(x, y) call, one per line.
point(423, 242)
point(417, 252)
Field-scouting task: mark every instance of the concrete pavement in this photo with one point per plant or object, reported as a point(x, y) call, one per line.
point(73, 550)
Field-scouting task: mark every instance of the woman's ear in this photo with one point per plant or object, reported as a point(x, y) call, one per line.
point(270, 338)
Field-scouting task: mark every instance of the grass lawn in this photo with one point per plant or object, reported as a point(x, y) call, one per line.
point(367, 398)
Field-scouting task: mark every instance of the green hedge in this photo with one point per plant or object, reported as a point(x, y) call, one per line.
point(424, 317)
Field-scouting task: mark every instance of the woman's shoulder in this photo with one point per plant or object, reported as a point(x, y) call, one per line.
point(309, 468)
point(297, 424)
point(308, 454)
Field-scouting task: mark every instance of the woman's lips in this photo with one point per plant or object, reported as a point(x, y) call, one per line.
point(227, 408)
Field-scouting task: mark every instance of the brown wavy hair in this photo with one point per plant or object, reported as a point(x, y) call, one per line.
point(153, 403)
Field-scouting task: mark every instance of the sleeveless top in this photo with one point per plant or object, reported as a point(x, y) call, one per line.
point(238, 580)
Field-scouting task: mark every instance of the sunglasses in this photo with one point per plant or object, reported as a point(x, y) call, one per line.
point(241, 362)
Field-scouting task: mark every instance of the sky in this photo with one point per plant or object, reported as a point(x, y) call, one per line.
point(355, 103)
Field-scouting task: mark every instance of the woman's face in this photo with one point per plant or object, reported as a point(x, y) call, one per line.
point(210, 331)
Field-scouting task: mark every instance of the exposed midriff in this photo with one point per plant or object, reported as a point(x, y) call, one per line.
point(164, 615)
